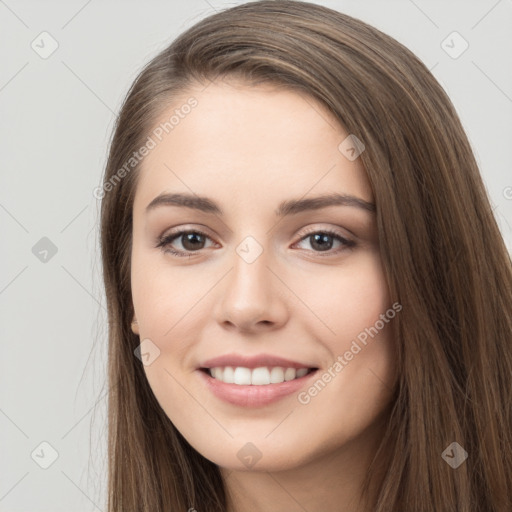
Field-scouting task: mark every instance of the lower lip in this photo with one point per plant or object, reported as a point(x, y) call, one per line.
point(253, 396)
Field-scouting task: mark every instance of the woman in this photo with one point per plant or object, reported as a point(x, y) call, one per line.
point(309, 298)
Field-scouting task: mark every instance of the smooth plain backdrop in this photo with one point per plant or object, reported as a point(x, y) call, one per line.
point(65, 68)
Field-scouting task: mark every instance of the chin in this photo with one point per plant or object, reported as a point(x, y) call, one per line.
point(243, 455)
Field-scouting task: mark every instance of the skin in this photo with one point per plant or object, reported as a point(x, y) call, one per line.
point(249, 148)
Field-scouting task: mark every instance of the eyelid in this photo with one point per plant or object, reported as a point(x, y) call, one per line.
point(347, 243)
point(175, 233)
point(165, 239)
point(202, 229)
point(331, 230)
point(184, 228)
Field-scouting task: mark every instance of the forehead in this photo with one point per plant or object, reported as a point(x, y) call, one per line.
point(243, 142)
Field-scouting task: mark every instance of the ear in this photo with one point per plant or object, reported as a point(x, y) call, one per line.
point(135, 326)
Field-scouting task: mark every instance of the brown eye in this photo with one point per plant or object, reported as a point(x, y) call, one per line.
point(322, 241)
point(191, 241)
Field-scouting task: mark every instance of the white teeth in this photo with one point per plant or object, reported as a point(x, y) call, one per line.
point(261, 376)
point(228, 376)
point(242, 376)
point(276, 375)
point(290, 374)
point(217, 373)
point(302, 372)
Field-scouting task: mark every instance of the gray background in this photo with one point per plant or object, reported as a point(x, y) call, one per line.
point(57, 114)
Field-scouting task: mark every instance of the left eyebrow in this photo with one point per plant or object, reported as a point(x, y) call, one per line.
point(316, 203)
point(289, 207)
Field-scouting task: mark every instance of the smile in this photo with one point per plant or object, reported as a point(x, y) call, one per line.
point(262, 376)
point(256, 380)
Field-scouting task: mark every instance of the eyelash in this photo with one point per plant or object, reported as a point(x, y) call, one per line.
point(164, 242)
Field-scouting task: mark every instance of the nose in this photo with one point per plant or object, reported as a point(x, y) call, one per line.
point(252, 298)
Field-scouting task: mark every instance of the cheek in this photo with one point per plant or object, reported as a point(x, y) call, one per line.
point(161, 295)
point(356, 307)
point(365, 329)
point(348, 299)
point(364, 299)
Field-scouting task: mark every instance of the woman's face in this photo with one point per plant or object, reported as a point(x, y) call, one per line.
point(275, 283)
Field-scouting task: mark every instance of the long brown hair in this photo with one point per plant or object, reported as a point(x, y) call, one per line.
point(443, 254)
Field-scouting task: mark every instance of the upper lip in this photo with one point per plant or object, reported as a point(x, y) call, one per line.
point(256, 361)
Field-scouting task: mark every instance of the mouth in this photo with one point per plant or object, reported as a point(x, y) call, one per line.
point(254, 381)
point(260, 376)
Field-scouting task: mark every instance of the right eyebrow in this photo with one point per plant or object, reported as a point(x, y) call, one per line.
point(203, 204)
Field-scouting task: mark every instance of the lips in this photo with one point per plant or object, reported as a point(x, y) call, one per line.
point(254, 381)
point(235, 360)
